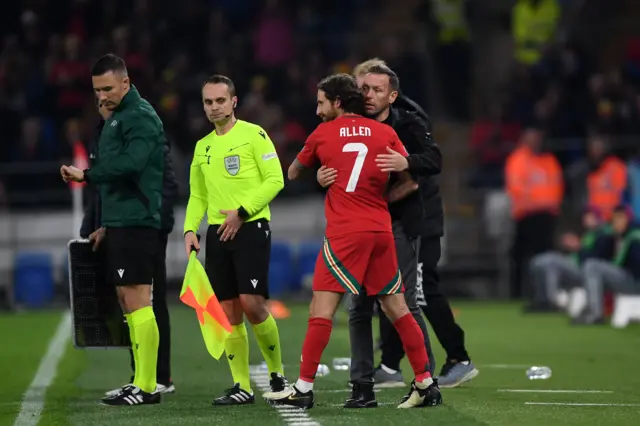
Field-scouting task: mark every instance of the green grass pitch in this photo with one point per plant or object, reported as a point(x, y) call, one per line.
point(501, 341)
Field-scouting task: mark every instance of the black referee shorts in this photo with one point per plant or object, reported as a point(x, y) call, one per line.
point(131, 255)
point(239, 266)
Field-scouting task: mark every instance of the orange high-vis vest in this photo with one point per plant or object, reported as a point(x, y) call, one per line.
point(534, 182)
point(606, 185)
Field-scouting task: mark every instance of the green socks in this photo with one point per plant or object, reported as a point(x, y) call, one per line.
point(144, 341)
point(269, 341)
point(237, 349)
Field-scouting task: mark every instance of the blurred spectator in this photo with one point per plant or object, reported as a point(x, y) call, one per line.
point(614, 104)
point(453, 54)
point(70, 80)
point(493, 137)
point(274, 37)
point(632, 193)
point(621, 273)
point(535, 188)
point(598, 180)
point(534, 26)
point(555, 270)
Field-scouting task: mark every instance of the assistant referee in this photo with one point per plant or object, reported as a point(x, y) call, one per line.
point(129, 174)
point(234, 176)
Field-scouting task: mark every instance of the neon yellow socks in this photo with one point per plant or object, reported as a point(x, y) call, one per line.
point(144, 342)
point(134, 350)
point(236, 348)
point(269, 342)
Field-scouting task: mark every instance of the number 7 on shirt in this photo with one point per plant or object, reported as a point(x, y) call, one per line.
point(362, 151)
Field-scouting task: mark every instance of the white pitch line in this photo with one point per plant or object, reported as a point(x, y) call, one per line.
point(582, 404)
point(291, 415)
point(33, 399)
point(554, 391)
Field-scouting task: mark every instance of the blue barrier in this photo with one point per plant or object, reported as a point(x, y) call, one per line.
point(307, 255)
point(280, 268)
point(33, 279)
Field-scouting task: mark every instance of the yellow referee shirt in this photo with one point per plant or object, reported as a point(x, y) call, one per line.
point(238, 169)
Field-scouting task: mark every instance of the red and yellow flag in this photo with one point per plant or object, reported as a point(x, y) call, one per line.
point(198, 294)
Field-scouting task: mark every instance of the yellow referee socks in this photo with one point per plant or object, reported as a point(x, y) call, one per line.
point(237, 349)
point(146, 343)
point(269, 341)
point(132, 336)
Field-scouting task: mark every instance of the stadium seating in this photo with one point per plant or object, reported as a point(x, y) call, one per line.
point(33, 279)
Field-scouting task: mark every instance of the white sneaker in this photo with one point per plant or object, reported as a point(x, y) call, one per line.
point(117, 391)
point(164, 389)
point(160, 388)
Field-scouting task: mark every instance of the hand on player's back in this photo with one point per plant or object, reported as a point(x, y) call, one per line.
point(326, 176)
point(393, 161)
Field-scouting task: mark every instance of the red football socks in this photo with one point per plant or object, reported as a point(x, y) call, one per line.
point(413, 342)
point(316, 340)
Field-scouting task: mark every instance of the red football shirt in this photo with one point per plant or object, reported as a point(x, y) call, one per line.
point(356, 200)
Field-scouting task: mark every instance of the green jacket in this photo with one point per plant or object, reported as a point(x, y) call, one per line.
point(129, 165)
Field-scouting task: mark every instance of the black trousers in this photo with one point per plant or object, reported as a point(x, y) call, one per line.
point(533, 235)
point(434, 305)
point(161, 311)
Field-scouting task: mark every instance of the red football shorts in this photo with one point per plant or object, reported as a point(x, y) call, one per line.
point(360, 261)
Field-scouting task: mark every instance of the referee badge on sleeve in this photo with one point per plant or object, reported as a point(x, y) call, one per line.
point(232, 164)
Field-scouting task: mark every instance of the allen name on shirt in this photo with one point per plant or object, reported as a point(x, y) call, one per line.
point(354, 131)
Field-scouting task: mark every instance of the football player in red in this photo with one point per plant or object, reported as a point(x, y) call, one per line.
point(358, 255)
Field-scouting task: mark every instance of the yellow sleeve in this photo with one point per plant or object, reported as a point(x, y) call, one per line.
point(197, 205)
point(266, 157)
point(519, 27)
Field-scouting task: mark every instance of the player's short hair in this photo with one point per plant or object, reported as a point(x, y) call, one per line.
point(364, 67)
point(394, 81)
point(343, 87)
point(221, 79)
point(108, 62)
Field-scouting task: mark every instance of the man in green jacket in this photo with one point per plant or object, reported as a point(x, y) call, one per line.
point(128, 174)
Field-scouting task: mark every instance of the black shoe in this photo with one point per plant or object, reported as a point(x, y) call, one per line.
point(362, 396)
point(291, 396)
point(132, 395)
point(446, 368)
point(278, 382)
point(417, 397)
point(235, 396)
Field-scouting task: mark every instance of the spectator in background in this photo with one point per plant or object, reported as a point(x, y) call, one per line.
point(274, 38)
point(621, 274)
point(632, 192)
point(554, 269)
point(68, 77)
point(453, 54)
point(599, 180)
point(534, 26)
point(614, 106)
point(535, 188)
point(492, 138)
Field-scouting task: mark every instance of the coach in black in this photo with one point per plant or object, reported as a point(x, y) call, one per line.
point(425, 162)
point(129, 172)
point(381, 87)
